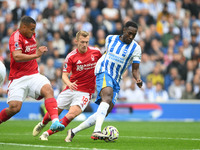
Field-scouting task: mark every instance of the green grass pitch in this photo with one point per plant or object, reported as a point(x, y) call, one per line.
point(17, 135)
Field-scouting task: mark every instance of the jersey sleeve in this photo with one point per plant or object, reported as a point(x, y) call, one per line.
point(108, 38)
point(15, 43)
point(67, 67)
point(137, 55)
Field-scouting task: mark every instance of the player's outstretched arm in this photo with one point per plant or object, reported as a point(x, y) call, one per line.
point(136, 74)
point(20, 57)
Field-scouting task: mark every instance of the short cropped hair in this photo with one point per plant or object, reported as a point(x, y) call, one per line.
point(132, 24)
point(27, 20)
point(81, 33)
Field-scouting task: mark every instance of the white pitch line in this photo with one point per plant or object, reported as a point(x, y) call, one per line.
point(134, 137)
point(55, 147)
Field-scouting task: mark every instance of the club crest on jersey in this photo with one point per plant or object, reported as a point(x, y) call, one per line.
point(92, 57)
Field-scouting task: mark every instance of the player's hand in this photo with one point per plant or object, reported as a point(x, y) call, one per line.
point(41, 50)
point(73, 86)
point(139, 83)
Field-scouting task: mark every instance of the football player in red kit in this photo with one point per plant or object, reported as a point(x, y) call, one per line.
point(24, 78)
point(76, 96)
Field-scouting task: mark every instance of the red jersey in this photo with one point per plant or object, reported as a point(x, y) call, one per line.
point(28, 46)
point(82, 67)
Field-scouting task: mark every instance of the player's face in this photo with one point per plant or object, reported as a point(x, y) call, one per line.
point(129, 34)
point(83, 44)
point(30, 30)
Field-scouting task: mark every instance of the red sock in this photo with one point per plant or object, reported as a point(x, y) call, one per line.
point(63, 121)
point(3, 116)
point(46, 118)
point(51, 107)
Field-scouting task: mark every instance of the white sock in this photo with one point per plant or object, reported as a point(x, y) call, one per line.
point(86, 124)
point(101, 114)
point(54, 120)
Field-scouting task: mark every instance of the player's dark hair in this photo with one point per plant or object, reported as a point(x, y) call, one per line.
point(27, 20)
point(132, 24)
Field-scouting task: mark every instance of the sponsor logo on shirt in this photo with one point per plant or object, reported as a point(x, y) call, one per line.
point(85, 66)
point(31, 48)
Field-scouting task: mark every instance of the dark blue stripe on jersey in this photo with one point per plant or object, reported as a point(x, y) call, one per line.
point(119, 48)
point(129, 56)
point(126, 49)
point(106, 65)
point(114, 44)
point(102, 64)
point(117, 71)
point(111, 68)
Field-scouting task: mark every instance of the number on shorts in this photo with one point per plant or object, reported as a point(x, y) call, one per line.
point(85, 100)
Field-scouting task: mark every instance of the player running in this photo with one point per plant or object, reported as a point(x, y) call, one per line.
point(121, 51)
point(76, 96)
point(24, 79)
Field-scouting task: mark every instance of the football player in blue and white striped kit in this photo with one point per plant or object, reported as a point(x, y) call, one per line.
point(121, 51)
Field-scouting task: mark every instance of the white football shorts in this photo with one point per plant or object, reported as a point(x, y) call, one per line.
point(2, 73)
point(69, 98)
point(19, 89)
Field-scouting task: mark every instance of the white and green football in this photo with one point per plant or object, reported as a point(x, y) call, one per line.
point(112, 133)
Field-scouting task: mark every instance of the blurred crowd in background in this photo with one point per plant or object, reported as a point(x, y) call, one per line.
point(168, 33)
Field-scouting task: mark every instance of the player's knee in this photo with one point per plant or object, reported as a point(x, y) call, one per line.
point(107, 99)
point(47, 91)
point(107, 95)
point(14, 109)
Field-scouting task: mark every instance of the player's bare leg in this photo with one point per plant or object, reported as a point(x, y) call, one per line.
point(7, 113)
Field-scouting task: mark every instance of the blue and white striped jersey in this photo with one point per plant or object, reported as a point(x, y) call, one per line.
point(118, 57)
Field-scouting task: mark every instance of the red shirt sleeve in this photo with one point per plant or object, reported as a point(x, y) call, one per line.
point(67, 65)
point(15, 45)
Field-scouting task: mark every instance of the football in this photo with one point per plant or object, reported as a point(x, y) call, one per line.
point(112, 132)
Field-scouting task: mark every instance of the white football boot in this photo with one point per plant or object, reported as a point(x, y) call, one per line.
point(44, 136)
point(38, 128)
point(70, 136)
